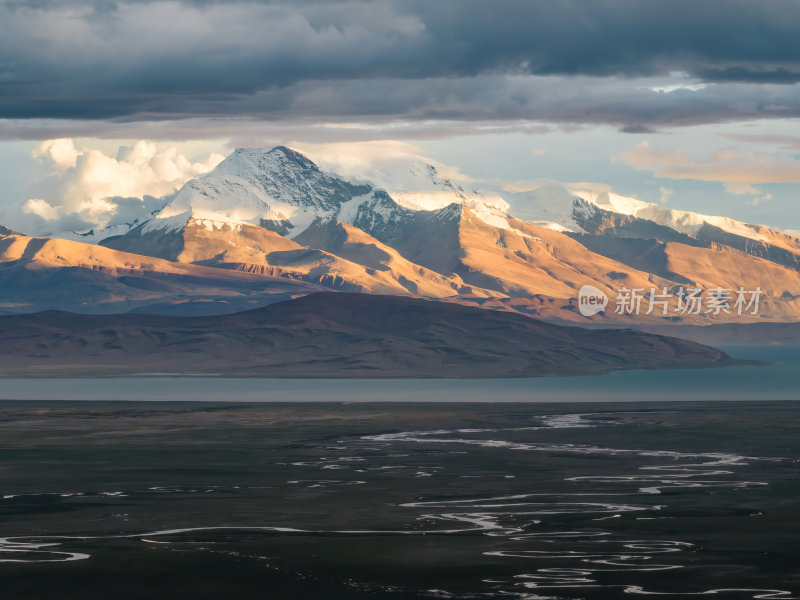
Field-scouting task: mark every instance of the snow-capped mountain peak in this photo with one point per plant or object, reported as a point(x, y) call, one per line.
point(682, 221)
point(252, 186)
point(290, 178)
point(259, 164)
point(221, 199)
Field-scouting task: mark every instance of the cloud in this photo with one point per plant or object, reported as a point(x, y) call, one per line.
point(368, 108)
point(644, 64)
point(785, 142)
point(87, 186)
point(61, 153)
point(255, 132)
point(388, 162)
point(576, 187)
point(736, 167)
point(740, 189)
point(745, 189)
point(41, 208)
point(350, 159)
point(666, 194)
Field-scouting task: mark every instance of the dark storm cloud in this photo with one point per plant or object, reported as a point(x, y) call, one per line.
point(466, 59)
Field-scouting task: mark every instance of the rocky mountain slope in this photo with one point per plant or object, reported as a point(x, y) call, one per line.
point(39, 273)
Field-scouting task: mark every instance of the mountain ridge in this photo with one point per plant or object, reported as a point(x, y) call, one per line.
point(333, 335)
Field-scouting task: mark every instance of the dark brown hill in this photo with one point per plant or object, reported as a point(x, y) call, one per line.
point(332, 335)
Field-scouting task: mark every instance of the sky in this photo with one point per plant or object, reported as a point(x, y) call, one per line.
point(106, 106)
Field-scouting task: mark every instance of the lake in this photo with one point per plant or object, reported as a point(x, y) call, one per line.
point(775, 381)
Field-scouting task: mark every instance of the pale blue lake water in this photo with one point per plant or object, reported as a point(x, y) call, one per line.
point(776, 381)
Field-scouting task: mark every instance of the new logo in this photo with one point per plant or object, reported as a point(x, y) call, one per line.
point(591, 301)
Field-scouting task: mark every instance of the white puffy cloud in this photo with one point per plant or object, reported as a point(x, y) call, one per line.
point(61, 153)
point(41, 208)
point(93, 187)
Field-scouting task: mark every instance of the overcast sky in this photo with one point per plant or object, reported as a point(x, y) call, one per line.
point(694, 104)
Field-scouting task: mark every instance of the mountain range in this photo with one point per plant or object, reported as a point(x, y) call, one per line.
point(269, 224)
